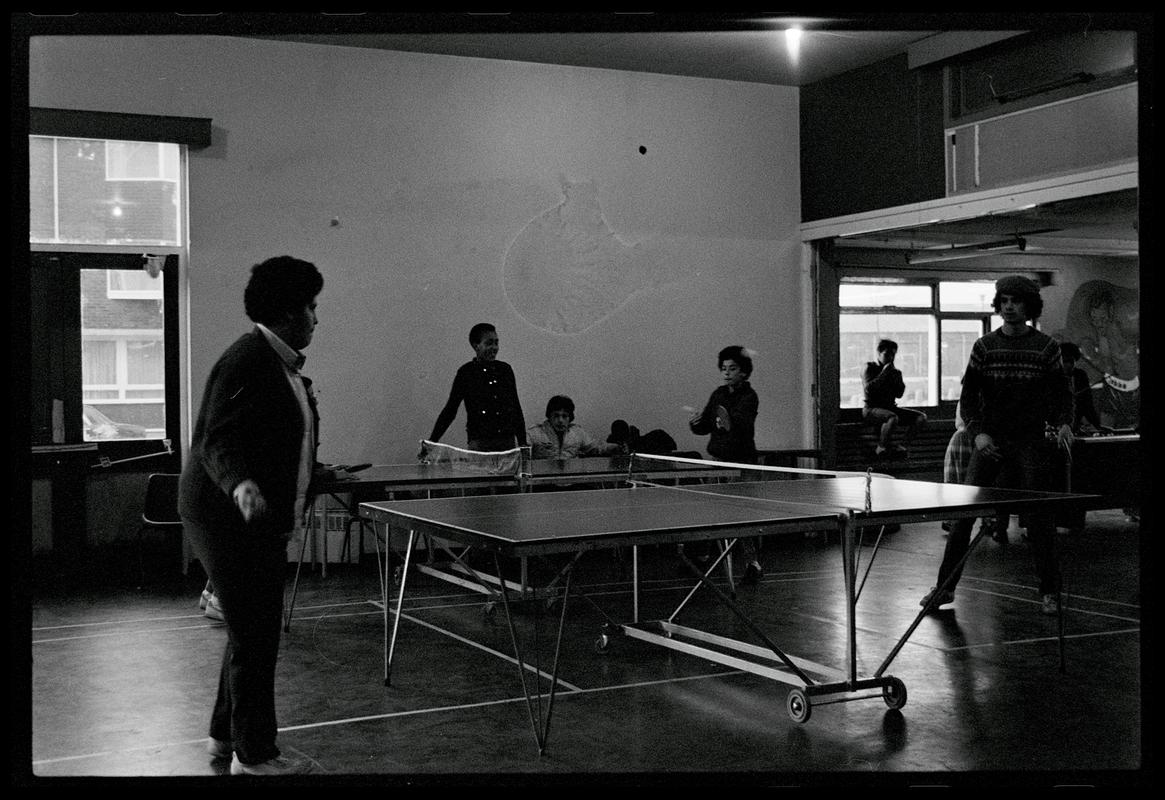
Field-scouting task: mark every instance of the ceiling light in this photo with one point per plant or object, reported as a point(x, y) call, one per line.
point(1015, 243)
point(793, 43)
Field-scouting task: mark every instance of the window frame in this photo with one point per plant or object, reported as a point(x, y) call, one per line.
point(934, 310)
point(56, 367)
point(117, 293)
point(190, 134)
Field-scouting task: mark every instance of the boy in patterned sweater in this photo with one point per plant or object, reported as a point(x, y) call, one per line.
point(1014, 388)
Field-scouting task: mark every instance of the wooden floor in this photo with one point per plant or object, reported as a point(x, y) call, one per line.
point(121, 681)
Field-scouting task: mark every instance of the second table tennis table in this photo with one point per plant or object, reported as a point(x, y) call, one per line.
point(575, 522)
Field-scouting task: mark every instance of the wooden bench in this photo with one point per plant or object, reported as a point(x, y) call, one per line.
point(856, 442)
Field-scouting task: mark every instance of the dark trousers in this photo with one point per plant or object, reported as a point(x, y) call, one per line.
point(248, 572)
point(1024, 465)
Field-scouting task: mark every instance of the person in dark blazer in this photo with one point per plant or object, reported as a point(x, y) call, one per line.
point(243, 493)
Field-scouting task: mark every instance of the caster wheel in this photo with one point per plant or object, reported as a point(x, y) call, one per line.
point(894, 693)
point(798, 705)
point(602, 643)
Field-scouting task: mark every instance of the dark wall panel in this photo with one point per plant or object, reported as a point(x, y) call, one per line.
point(870, 139)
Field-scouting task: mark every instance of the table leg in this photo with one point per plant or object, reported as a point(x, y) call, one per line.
point(390, 641)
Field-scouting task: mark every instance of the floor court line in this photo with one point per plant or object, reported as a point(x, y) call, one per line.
point(199, 614)
point(799, 577)
point(489, 650)
point(199, 627)
point(112, 634)
point(1069, 607)
point(392, 715)
point(1038, 639)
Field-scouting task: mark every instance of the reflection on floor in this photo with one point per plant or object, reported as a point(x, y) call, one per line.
point(122, 681)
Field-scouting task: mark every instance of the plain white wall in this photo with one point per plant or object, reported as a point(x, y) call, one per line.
point(435, 192)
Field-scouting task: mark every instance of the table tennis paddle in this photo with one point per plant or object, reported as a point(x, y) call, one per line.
point(343, 469)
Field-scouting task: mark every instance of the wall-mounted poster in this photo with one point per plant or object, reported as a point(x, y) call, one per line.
point(1104, 320)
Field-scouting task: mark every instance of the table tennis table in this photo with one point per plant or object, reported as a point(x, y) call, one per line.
point(383, 482)
point(576, 522)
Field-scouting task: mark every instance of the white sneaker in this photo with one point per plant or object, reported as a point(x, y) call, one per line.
point(219, 748)
point(280, 765)
point(214, 609)
point(945, 598)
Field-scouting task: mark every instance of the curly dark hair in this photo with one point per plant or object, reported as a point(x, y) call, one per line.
point(478, 332)
point(739, 355)
point(278, 286)
point(560, 402)
point(1033, 304)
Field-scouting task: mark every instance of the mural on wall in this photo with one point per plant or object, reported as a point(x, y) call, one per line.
point(566, 270)
point(1104, 320)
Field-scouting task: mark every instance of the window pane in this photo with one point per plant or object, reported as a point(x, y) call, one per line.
point(100, 192)
point(146, 362)
point(876, 295)
point(123, 360)
point(141, 161)
point(915, 335)
point(134, 284)
point(958, 336)
point(41, 196)
point(969, 296)
point(98, 363)
point(112, 422)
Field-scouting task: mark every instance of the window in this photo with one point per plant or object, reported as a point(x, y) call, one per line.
point(933, 322)
point(92, 191)
point(1038, 68)
point(106, 230)
point(141, 161)
point(109, 364)
point(133, 284)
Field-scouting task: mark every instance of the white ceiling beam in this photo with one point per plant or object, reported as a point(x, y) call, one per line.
point(971, 205)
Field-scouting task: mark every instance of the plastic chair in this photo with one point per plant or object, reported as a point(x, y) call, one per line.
point(160, 512)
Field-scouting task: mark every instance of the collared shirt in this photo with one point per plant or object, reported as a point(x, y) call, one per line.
point(544, 442)
point(294, 360)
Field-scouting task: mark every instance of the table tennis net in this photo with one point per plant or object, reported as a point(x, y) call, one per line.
point(499, 462)
point(742, 482)
point(642, 467)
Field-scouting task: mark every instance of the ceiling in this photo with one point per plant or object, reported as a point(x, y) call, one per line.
point(1101, 225)
point(751, 56)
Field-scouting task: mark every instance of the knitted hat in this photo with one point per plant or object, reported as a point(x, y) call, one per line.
point(1017, 284)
